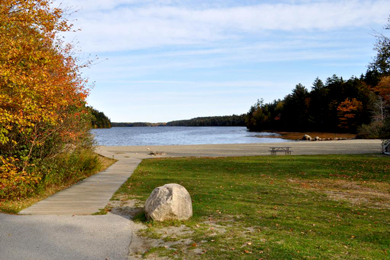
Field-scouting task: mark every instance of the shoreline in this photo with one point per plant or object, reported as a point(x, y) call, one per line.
point(324, 136)
point(355, 146)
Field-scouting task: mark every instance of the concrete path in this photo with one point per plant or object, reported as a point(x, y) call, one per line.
point(87, 196)
point(65, 237)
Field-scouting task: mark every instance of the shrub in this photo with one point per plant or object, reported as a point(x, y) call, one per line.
point(64, 169)
point(371, 131)
point(70, 167)
point(16, 182)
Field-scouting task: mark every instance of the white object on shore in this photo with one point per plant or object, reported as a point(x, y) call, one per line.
point(169, 202)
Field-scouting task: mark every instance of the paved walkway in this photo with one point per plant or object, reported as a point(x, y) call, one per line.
point(65, 237)
point(87, 196)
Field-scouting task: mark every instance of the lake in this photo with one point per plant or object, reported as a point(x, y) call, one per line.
point(172, 135)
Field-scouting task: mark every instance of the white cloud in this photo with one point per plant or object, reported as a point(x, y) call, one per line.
point(129, 25)
point(126, 67)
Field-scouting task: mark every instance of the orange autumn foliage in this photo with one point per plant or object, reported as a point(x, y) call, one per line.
point(347, 112)
point(42, 96)
point(383, 88)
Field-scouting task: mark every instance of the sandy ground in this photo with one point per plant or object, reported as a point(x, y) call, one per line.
point(223, 150)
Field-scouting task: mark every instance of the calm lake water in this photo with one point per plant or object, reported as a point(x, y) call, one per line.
point(129, 136)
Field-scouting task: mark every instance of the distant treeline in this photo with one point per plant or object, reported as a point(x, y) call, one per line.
point(337, 105)
point(136, 124)
point(99, 119)
point(233, 120)
point(357, 105)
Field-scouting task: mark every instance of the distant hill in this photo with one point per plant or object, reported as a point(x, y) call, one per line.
point(233, 120)
point(136, 124)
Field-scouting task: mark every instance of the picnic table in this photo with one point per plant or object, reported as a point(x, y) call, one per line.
point(274, 150)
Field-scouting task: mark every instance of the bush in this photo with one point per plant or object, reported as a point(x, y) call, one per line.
point(16, 182)
point(64, 169)
point(70, 167)
point(371, 131)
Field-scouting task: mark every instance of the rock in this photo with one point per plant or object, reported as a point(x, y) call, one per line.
point(306, 137)
point(317, 138)
point(169, 202)
point(157, 153)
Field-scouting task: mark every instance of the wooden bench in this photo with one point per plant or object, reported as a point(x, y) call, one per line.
point(286, 150)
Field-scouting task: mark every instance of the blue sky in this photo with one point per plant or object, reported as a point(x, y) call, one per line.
point(164, 60)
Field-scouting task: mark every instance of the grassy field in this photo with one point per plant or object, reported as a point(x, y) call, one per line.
point(280, 207)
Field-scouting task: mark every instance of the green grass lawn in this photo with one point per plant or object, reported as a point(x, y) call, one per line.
point(280, 207)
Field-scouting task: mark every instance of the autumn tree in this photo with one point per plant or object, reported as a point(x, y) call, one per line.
point(383, 106)
point(348, 113)
point(42, 96)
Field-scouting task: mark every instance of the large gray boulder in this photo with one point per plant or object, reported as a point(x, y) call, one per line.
point(169, 202)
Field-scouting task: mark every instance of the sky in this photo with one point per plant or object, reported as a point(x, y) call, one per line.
point(164, 60)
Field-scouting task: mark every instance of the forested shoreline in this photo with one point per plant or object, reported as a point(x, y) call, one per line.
point(337, 105)
point(99, 119)
point(135, 124)
point(233, 120)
